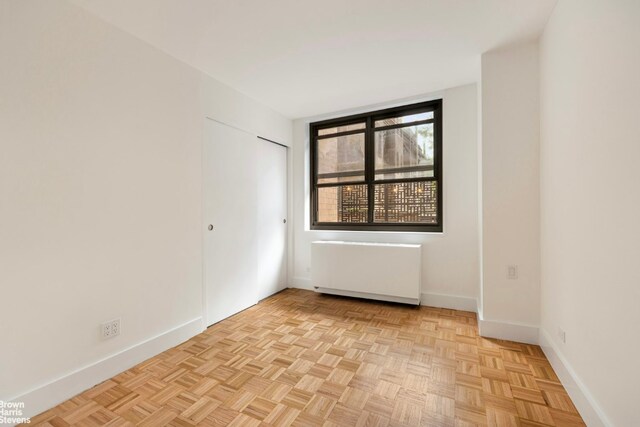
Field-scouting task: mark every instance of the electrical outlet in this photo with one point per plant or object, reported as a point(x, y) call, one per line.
point(562, 335)
point(110, 329)
point(512, 272)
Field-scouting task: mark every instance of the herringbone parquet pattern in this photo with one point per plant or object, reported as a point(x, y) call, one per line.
point(303, 359)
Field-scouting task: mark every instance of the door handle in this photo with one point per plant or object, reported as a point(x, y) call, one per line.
point(284, 221)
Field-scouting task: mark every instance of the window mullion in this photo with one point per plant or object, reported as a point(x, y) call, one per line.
point(369, 165)
point(313, 175)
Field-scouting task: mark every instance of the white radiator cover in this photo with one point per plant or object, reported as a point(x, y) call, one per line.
point(382, 271)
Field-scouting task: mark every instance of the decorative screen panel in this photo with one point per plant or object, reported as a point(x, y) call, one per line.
point(347, 204)
point(406, 202)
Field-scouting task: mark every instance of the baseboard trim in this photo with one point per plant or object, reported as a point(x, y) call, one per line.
point(54, 392)
point(454, 302)
point(388, 298)
point(430, 299)
point(65, 387)
point(507, 331)
point(589, 409)
point(488, 328)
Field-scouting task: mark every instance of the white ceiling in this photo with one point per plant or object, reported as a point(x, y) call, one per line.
point(308, 57)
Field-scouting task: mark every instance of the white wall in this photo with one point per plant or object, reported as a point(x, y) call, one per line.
point(100, 188)
point(450, 259)
point(590, 204)
point(510, 190)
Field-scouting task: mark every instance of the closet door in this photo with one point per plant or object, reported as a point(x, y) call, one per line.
point(272, 218)
point(230, 219)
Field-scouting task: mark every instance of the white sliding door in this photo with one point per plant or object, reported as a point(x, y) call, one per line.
point(272, 215)
point(231, 211)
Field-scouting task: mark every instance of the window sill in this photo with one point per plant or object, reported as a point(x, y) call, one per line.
point(377, 229)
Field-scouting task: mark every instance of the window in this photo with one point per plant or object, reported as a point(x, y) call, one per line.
point(378, 171)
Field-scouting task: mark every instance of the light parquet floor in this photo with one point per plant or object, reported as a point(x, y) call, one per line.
point(303, 359)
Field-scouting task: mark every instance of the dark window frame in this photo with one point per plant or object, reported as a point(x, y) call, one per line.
point(369, 118)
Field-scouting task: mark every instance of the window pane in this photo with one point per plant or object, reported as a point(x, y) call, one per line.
point(404, 119)
point(341, 159)
point(345, 203)
point(407, 202)
point(405, 152)
point(344, 128)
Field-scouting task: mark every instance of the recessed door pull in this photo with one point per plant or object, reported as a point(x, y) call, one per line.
point(210, 227)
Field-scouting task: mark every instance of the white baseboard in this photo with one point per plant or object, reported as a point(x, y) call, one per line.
point(54, 392)
point(430, 299)
point(589, 409)
point(354, 294)
point(454, 302)
point(507, 331)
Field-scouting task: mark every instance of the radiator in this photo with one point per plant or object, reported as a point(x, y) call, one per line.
point(382, 271)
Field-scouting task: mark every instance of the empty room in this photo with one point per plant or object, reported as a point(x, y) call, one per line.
point(277, 213)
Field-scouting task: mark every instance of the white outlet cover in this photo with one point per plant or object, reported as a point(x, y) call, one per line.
point(562, 335)
point(110, 329)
